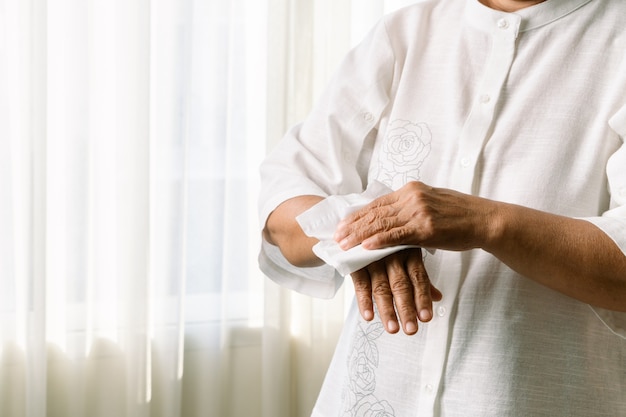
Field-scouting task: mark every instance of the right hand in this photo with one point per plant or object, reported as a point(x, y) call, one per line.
point(400, 287)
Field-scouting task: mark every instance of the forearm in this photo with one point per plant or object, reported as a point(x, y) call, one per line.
point(282, 230)
point(569, 255)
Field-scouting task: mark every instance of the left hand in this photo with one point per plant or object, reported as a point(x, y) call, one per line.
point(401, 289)
point(421, 215)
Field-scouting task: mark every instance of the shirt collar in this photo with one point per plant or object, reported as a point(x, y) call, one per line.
point(526, 19)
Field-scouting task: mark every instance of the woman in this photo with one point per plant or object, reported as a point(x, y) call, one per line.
point(497, 128)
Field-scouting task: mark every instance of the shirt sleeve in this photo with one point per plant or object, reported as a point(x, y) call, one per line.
point(613, 221)
point(329, 153)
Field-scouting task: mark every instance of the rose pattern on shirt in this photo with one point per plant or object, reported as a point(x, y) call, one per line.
point(403, 152)
point(359, 394)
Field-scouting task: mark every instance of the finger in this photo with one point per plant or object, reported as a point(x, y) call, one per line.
point(435, 294)
point(394, 235)
point(375, 204)
point(422, 287)
point(353, 229)
point(362, 223)
point(381, 292)
point(363, 293)
point(402, 291)
point(370, 229)
point(350, 223)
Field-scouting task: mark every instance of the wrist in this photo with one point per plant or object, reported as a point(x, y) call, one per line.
point(495, 224)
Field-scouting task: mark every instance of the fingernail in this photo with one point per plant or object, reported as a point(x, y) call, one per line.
point(392, 326)
point(410, 327)
point(425, 315)
point(368, 315)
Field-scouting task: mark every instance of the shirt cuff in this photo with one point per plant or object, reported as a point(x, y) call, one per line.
point(321, 281)
point(615, 227)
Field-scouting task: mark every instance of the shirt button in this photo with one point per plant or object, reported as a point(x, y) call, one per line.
point(485, 98)
point(503, 24)
point(368, 117)
point(428, 388)
point(441, 311)
point(465, 162)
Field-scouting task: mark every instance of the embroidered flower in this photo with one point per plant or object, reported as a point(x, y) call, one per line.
point(404, 150)
point(407, 144)
point(359, 399)
point(363, 377)
point(371, 407)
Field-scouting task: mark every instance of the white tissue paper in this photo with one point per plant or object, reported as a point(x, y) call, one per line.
point(321, 220)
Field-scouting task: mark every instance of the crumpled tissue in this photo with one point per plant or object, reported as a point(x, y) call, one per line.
point(321, 220)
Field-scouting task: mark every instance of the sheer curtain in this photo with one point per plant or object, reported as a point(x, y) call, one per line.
point(130, 136)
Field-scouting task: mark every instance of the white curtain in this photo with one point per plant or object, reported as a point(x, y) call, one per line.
point(130, 136)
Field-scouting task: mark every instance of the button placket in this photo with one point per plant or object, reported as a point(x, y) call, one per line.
point(435, 351)
point(475, 131)
point(471, 141)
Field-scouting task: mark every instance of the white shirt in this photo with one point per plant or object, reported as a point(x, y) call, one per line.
point(527, 108)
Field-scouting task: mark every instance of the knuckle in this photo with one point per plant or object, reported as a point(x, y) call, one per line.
point(419, 275)
point(417, 189)
point(361, 284)
point(420, 279)
point(413, 186)
point(380, 289)
point(399, 234)
point(363, 296)
point(360, 279)
point(371, 217)
point(383, 224)
point(364, 300)
point(401, 287)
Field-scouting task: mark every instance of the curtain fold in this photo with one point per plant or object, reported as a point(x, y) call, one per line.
point(130, 136)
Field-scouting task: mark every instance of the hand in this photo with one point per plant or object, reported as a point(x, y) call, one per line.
point(420, 215)
point(398, 280)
